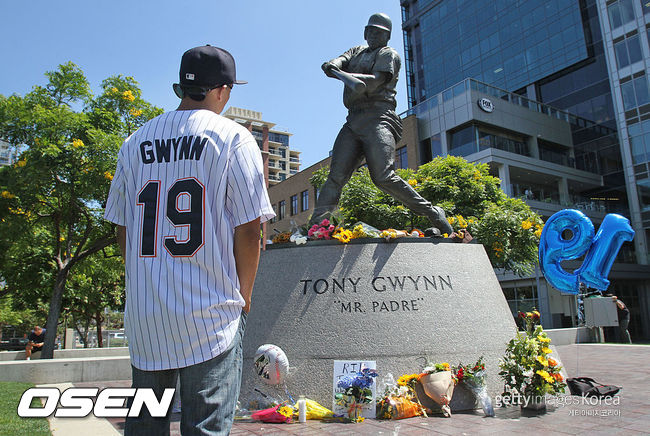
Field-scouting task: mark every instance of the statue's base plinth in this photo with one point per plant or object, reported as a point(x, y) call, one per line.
point(395, 303)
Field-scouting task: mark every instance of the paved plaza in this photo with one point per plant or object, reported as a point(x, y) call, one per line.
point(622, 365)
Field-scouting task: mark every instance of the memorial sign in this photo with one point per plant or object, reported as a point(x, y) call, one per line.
point(394, 303)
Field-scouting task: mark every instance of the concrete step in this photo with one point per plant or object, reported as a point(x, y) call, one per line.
point(82, 369)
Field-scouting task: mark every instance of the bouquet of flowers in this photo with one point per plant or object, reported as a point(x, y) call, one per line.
point(473, 376)
point(324, 230)
point(401, 401)
point(438, 383)
point(278, 414)
point(356, 392)
point(527, 367)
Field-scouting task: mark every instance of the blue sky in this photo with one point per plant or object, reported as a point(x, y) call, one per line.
point(278, 45)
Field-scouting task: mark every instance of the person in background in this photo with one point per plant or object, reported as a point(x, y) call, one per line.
point(623, 320)
point(35, 344)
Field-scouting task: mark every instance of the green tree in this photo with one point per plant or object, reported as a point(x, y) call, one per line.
point(51, 213)
point(95, 285)
point(471, 198)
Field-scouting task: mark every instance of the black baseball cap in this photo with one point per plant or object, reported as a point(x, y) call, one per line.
point(206, 67)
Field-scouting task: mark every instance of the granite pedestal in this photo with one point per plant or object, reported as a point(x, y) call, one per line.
point(395, 302)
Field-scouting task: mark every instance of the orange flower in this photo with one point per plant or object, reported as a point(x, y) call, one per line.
point(552, 362)
point(557, 377)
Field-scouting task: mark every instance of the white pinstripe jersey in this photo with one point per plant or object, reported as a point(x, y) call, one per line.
point(183, 182)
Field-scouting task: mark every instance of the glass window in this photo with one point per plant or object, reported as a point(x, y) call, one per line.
point(401, 158)
point(294, 204)
point(634, 48)
point(641, 90)
point(645, 4)
point(436, 146)
point(638, 149)
point(281, 209)
point(627, 10)
point(620, 12)
point(622, 58)
point(304, 201)
point(627, 90)
point(628, 51)
point(463, 142)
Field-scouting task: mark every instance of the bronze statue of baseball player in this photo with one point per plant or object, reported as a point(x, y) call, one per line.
point(372, 128)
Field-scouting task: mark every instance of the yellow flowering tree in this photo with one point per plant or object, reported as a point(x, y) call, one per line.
point(470, 196)
point(51, 213)
point(120, 108)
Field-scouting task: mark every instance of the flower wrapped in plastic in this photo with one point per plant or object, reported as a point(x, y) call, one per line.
point(315, 410)
point(275, 415)
point(438, 383)
point(400, 401)
point(474, 378)
point(356, 392)
point(363, 230)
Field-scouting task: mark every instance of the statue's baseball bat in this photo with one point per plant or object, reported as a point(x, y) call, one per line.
point(349, 80)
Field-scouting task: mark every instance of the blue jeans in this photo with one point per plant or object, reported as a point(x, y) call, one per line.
point(209, 392)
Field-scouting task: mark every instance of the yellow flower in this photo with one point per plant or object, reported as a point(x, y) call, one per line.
point(543, 361)
point(128, 95)
point(545, 375)
point(526, 225)
point(461, 222)
point(343, 235)
point(445, 365)
point(108, 175)
point(413, 183)
point(407, 379)
point(21, 163)
point(285, 411)
point(538, 233)
point(543, 339)
point(135, 112)
point(77, 143)
point(546, 350)
point(477, 175)
point(452, 220)
point(114, 90)
point(7, 194)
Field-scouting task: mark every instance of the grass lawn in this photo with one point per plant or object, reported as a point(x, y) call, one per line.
point(10, 423)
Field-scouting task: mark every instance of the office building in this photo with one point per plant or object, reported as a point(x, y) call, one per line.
point(6, 153)
point(553, 95)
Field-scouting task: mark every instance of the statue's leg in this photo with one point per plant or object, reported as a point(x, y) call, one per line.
point(379, 149)
point(346, 156)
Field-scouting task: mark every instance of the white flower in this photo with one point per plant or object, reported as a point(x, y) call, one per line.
point(298, 239)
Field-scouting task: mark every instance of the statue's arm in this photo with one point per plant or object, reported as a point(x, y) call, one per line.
point(372, 81)
point(338, 63)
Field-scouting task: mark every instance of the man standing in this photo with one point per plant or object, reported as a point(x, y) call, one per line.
point(623, 320)
point(373, 128)
point(35, 341)
point(188, 197)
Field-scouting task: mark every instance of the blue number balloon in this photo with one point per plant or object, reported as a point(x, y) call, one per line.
point(614, 230)
point(600, 250)
point(553, 248)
